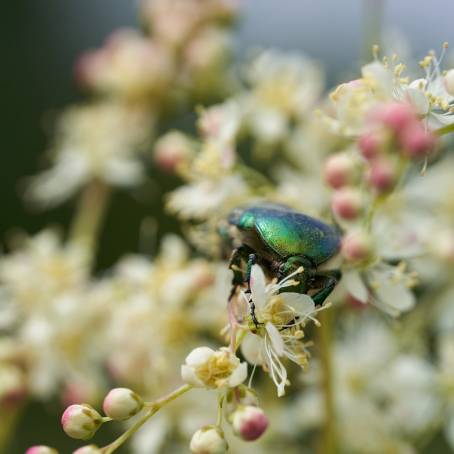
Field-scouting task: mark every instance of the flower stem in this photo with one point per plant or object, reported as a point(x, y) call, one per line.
point(88, 219)
point(445, 130)
point(152, 408)
point(329, 442)
point(220, 405)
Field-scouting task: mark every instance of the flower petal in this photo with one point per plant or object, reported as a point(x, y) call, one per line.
point(276, 339)
point(190, 377)
point(251, 348)
point(199, 356)
point(258, 286)
point(301, 303)
point(238, 375)
point(355, 286)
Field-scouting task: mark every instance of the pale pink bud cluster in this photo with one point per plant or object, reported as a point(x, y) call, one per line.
point(81, 421)
point(394, 129)
point(343, 172)
point(208, 440)
point(394, 133)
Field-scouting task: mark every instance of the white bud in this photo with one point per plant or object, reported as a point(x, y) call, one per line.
point(122, 403)
point(208, 440)
point(449, 82)
point(41, 449)
point(89, 449)
point(81, 421)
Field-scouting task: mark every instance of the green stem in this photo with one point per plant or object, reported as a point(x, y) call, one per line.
point(220, 405)
point(90, 213)
point(9, 418)
point(153, 408)
point(329, 441)
point(444, 130)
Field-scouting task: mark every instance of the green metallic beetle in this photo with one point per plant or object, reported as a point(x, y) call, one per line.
point(282, 240)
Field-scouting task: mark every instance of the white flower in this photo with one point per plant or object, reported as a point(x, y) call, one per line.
point(98, 141)
point(200, 199)
point(128, 65)
point(284, 87)
point(282, 317)
point(386, 286)
point(208, 368)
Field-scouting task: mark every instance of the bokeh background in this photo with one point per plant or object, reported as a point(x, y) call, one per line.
point(42, 38)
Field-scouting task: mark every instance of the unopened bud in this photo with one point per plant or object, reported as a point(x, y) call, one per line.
point(369, 145)
point(356, 247)
point(41, 449)
point(81, 421)
point(89, 449)
point(172, 150)
point(449, 82)
point(347, 203)
point(249, 423)
point(340, 170)
point(122, 403)
point(416, 141)
point(382, 175)
point(208, 440)
point(396, 115)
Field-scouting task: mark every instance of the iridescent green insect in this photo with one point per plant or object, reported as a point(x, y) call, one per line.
point(282, 240)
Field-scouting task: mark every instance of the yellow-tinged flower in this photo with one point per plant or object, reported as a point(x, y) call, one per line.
point(282, 317)
point(208, 368)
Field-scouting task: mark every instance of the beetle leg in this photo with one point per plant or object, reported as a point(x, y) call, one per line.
point(291, 265)
point(330, 278)
point(250, 263)
point(237, 256)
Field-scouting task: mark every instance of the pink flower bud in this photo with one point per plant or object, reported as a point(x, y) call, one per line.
point(122, 403)
point(347, 203)
point(382, 175)
point(416, 141)
point(81, 421)
point(395, 115)
point(41, 449)
point(339, 170)
point(369, 145)
point(249, 423)
point(356, 247)
point(89, 449)
point(172, 150)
